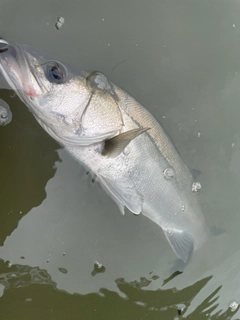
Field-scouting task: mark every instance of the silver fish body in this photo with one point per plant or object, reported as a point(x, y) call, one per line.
point(115, 137)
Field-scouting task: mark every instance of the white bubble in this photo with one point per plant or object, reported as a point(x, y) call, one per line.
point(196, 186)
point(199, 134)
point(61, 20)
point(98, 264)
point(234, 25)
point(233, 306)
point(169, 232)
point(59, 23)
point(183, 208)
point(5, 113)
point(168, 174)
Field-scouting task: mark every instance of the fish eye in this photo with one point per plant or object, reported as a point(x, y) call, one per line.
point(56, 73)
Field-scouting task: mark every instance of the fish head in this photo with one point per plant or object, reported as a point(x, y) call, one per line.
point(65, 102)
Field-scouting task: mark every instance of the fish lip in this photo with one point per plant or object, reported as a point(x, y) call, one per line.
point(17, 70)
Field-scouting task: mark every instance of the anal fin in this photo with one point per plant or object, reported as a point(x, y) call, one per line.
point(181, 243)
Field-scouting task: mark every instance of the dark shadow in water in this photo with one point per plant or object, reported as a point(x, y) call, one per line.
point(23, 297)
point(172, 276)
point(27, 157)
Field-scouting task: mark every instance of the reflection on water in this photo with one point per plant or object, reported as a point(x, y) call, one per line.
point(18, 276)
point(137, 300)
point(26, 150)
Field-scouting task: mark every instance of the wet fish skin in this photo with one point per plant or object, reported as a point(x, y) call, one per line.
point(83, 112)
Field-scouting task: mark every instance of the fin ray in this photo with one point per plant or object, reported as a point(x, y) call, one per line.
point(181, 243)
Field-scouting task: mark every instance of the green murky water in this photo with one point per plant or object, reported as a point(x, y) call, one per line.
point(65, 250)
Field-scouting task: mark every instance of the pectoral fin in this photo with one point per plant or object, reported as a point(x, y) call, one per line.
point(181, 243)
point(114, 146)
point(123, 195)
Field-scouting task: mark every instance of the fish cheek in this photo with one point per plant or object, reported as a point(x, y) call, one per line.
point(101, 115)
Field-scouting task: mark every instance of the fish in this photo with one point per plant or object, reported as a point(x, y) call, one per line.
point(114, 137)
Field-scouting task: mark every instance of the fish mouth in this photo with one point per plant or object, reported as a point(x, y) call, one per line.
point(18, 71)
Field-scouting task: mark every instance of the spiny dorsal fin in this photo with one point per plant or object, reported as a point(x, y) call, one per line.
point(114, 146)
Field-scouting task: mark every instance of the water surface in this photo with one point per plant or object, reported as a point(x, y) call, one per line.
point(65, 249)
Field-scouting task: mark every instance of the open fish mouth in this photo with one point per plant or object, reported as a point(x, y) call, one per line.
point(17, 70)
